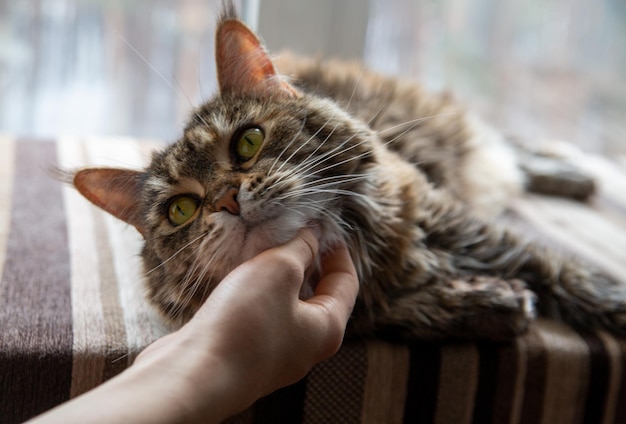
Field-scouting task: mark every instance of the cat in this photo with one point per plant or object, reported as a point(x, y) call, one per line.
point(411, 182)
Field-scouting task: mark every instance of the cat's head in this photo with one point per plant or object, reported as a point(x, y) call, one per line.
point(255, 164)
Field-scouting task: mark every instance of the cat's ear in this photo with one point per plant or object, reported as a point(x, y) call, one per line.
point(243, 64)
point(117, 191)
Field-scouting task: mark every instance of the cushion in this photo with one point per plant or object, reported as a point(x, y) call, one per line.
point(73, 312)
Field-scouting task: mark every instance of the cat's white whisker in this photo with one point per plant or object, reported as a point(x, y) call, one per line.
point(178, 252)
point(299, 147)
point(305, 162)
point(322, 211)
point(307, 142)
point(315, 190)
point(194, 279)
point(295, 137)
point(356, 85)
point(308, 164)
point(314, 152)
point(184, 294)
point(336, 179)
point(119, 358)
point(335, 151)
point(200, 281)
point(350, 159)
point(156, 71)
point(306, 167)
point(414, 122)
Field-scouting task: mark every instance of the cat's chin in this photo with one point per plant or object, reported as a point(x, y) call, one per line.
point(245, 241)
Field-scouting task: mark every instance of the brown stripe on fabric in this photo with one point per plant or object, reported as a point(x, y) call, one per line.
point(567, 373)
point(458, 380)
point(511, 379)
point(423, 383)
point(487, 383)
point(620, 407)
point(334, 387)
point(283, 406)
point(599, 380)
point(386, 383)
point(535, 387)
point(36, 315)
point(614, 357)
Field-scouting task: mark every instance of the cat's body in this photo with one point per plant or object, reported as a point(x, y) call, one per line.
point(455, 149)
point(408, 180)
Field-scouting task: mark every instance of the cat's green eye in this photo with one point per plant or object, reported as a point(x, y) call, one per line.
point(182, 209)
point(248, 143)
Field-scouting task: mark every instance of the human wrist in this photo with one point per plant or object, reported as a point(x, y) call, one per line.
point(206, 383)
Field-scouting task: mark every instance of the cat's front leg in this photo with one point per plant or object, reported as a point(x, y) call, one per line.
point(485, 307)
point(566, 288)
point(477, 307)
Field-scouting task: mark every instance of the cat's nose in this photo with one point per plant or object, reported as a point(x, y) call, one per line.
point(228, 201)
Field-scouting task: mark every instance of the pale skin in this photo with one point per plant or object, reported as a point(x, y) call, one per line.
point(251, 337)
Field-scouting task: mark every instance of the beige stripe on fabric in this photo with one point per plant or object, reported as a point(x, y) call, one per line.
point(567, 374)
point(386, 382)
point(7, 168)
point(614, 351)
point(87, 316)
point(141, 321)
point(458, 382)
point(580, 229)
point(115, 330)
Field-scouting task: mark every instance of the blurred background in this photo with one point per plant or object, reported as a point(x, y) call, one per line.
point(538, 69)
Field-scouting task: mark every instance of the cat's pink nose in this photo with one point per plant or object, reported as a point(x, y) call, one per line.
point(228, 201)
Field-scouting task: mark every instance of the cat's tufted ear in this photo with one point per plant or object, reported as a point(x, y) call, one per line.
point(243, 64)
point(117, 191)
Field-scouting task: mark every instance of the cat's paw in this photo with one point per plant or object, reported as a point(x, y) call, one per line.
point(493, 308)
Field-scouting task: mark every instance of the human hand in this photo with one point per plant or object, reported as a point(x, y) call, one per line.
point(256, 331)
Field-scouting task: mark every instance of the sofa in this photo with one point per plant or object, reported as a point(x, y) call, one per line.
point(73, 313)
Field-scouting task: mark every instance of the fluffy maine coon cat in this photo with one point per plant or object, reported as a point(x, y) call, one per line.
point(407, 179)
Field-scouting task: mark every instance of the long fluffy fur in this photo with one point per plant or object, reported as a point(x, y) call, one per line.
point(409, 180)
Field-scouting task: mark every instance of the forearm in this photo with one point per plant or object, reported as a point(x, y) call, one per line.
point(167, 387)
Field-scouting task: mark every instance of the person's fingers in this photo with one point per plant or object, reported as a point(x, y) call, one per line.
point(333, 301)
point(339, 279)
point(282, 266)
point(303, 247)
point(291, 259)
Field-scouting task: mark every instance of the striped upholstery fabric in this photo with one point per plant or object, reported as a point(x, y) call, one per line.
point(72, 314)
